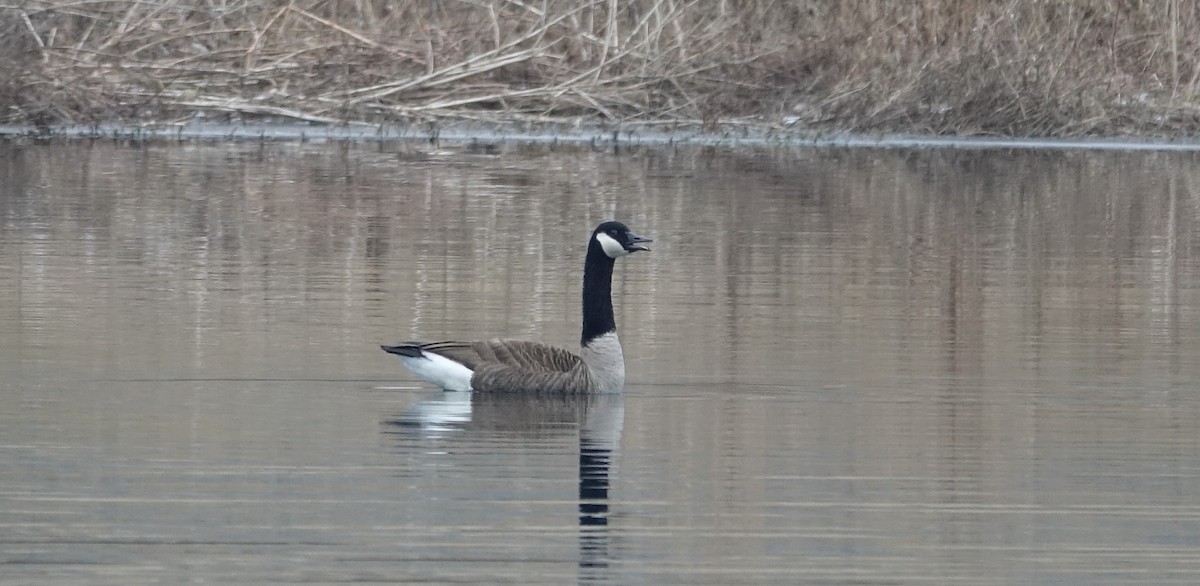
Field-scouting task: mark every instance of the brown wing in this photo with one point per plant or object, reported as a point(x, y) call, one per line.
point(517, 366)
point(462, 352)
point(530, 356)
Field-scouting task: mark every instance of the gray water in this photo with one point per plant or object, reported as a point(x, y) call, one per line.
point(844, 366)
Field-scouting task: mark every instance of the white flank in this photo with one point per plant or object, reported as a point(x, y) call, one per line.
point(610, 245)
point(439, 370)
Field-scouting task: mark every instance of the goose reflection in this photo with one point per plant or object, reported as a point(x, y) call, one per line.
point(599, 420)
point(599, 438)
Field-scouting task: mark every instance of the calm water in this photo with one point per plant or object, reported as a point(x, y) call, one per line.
point(845, 367)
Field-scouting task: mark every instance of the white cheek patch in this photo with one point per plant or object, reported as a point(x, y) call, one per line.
point(610, 245)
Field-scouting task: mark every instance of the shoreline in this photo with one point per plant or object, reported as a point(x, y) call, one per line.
point(1058, 72)
point(500, 133)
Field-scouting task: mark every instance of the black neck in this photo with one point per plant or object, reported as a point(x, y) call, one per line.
point(597, 294)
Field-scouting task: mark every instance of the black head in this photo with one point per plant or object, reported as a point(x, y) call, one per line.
point(616, 240)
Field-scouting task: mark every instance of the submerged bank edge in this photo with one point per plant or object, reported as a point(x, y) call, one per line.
point(734, 135)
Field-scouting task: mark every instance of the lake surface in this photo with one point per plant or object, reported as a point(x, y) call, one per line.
point(844, 366)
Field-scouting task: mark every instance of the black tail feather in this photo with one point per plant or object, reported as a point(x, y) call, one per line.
point(410, 350)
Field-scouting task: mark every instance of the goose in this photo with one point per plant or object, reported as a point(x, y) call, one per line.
point(520, 366)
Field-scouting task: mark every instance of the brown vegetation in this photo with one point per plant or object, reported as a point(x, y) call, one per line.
point(970, 67)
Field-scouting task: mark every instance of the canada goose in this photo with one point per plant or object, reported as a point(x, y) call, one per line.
point(516, 366)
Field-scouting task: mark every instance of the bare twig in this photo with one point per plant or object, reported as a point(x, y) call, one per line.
point(442, 76)
point(243, 107)
point(33, 32)
point(248, 61)
point(345, 31)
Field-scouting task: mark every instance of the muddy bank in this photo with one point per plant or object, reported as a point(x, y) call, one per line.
point(432, 137)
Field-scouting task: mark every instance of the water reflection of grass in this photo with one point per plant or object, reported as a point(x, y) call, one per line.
point(1051, 68)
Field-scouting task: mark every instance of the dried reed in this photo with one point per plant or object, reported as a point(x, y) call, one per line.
point(1015, 67)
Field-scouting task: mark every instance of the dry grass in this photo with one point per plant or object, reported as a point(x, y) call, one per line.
point(1015, 67)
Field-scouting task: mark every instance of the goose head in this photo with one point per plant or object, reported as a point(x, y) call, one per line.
point(617, 240)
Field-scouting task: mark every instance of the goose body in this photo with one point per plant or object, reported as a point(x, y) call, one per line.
point(520, 366)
